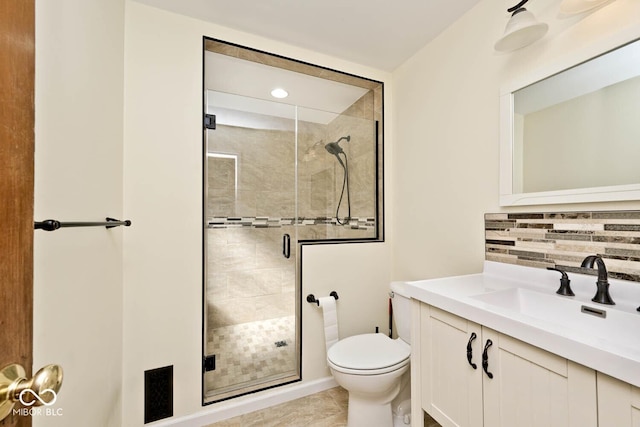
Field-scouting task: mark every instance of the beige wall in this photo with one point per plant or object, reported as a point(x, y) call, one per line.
point(162, 195)
point(78, 177)
point(103, 328)
point(99, 325)
point(446, 139)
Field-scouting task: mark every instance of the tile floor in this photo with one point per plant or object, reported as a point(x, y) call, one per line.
point(325, 409)
point(251, 353)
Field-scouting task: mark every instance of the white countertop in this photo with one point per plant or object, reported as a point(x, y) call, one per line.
point(553, 322)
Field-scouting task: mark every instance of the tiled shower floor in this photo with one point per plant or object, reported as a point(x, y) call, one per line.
point(251, 352)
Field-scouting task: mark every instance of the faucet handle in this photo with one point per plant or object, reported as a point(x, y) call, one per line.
point(602, 295)
point(565, 288)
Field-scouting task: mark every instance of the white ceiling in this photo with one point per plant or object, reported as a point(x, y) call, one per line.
point(246, 86)
point(377, 33)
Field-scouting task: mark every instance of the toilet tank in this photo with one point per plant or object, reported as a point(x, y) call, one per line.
point(401, 310)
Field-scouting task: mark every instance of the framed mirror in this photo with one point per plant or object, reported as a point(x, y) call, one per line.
point(573, 136)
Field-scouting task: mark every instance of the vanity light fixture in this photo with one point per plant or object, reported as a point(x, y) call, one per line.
point(522, 29)
point(574, 7)
point(279, 93)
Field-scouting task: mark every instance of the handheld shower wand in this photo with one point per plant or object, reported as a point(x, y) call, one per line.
point(335, 149)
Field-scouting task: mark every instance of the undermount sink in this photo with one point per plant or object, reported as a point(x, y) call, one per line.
point(521, 302)
point(605, 323)
point(528, 302)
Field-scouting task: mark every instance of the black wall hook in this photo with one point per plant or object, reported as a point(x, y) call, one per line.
point(311, 298)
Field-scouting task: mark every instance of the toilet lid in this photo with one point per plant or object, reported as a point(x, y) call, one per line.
point(368, 352)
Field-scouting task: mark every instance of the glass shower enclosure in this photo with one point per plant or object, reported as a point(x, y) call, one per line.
point(276, 175)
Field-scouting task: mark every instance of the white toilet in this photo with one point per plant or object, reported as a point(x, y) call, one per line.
point(371, 367)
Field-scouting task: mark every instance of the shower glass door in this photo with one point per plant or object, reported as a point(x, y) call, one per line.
point(251, 338)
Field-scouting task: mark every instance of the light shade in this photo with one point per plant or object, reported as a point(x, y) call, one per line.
point(574, 7)
point(522, 29)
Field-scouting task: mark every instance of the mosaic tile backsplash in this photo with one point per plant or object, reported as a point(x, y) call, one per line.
point(564, 239)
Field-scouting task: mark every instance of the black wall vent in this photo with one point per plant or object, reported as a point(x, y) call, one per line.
point(158, 394)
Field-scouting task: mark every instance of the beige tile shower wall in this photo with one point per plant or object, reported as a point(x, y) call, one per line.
point(266, 173)
point(248, 278)
point(319, 182)
point(321, 176)
point(358, 122)
point(316, 171)
point(221, 186)
point(565, 239)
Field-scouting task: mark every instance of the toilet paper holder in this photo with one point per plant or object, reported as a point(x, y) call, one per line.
point(311, 298)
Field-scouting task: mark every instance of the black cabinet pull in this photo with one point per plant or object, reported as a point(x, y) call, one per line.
point(485, 359)
point(286, 246)
point(470, 350)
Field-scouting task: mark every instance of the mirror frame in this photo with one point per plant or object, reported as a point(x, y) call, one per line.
point(577, 195)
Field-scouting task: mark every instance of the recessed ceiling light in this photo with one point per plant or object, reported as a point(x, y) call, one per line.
point(279, 93)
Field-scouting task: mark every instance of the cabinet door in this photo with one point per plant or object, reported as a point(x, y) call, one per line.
point(618, 403)
point(532, 387)
point(451, 387)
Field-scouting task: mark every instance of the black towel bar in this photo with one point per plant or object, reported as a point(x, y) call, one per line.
point(53, 225)
point(311, 298)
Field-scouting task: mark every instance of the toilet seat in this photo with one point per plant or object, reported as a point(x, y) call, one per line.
point(368, 354)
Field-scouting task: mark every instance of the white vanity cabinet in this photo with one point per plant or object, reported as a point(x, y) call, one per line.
point(618, 403)
point(532, 387)
point(451, 388)
point(529, 386)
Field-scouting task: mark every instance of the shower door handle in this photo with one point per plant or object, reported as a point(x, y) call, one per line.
point(286, 246)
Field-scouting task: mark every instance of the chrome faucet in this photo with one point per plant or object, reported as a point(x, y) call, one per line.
point(602, 295)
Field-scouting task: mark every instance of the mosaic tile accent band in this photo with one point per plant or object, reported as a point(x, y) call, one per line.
point(266, 222)
point(564, 239)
